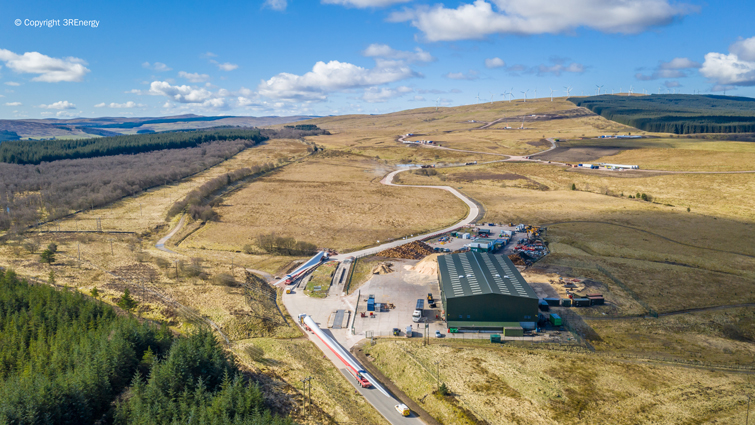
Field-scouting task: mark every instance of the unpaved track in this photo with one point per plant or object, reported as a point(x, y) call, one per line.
point(161, 243)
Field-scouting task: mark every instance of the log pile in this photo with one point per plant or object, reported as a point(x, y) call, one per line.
point(411, 251)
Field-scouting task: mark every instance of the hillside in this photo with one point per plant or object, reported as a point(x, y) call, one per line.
point(678, 113)
point(111, 126)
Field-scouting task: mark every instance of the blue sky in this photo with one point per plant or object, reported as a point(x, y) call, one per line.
point(323, 57)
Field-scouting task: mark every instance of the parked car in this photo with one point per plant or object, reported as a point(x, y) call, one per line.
point(438, 334)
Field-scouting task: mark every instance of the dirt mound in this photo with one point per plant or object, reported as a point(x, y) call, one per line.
point(383, 268)
point(412, 251)
point(428, 265)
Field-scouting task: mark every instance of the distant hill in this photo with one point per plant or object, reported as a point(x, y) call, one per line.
point(79, 128)
point(676, 113)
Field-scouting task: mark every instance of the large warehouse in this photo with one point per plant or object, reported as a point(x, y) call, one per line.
point(485, 292)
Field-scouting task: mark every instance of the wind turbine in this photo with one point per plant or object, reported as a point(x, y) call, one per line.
point(630, 91)
point(437, 104)
point(525, 95)
point(568, 90)
point(491, 98)
point(551, 94)
point(511, 94)
point(535, 93)
point(659, 89)
point(599, 88)
point(478, 97)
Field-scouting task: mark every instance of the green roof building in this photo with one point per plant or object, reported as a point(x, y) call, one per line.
point(482, 291)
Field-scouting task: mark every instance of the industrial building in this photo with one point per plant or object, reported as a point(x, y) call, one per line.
point(485, 292)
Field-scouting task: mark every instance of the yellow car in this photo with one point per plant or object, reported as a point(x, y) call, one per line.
point(403, 409)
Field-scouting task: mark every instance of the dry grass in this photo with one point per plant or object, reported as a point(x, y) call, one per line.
point(333, 200)
point(503, 386)
point(146, 211)
point(291, 361)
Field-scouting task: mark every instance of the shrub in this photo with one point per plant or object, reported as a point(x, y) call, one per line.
point(47, 256)
point(52, 247)
point(126, 302)
point(224, 279)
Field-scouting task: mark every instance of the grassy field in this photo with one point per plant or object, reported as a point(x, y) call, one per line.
point(509, 385)
point(333, 200)
point(321, 277)
point(146, 211)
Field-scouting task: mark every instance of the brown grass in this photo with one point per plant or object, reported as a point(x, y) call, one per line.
point(503, 385)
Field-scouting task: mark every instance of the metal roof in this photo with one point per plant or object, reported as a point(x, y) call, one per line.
point(477, 273)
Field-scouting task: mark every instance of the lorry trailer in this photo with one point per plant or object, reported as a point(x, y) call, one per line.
point(362, 376)
point(310, 265)
point(417, 315)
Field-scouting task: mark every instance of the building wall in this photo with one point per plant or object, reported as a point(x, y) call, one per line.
point(491, 308)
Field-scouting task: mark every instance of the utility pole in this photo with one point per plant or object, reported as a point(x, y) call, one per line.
point(747, 421)
point(140, 211)
point(111, 246)
point(308, 400)
point(176, 263)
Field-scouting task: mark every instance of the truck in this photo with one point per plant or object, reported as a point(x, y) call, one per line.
point(417, 315)
point(409, 331)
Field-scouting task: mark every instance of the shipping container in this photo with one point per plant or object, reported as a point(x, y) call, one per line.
point(553, 302)
point(555, 320)
point(596, 300)
point(565, 302)
point(543, 305)
point(581, 302)
point(495, 338)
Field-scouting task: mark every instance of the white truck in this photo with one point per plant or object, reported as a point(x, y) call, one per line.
point(417, 315)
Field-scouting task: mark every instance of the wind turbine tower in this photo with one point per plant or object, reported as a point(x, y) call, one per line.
point(551, 94)
point(437, 104)
point(491, 98)
point(568, 90)
point(478, 97)
point(525, 95)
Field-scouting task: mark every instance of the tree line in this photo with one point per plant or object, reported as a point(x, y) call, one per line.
point(68, 359)
point(678, 114)
point(37, 151)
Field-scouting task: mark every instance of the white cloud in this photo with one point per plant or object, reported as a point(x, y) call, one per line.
point(559, 68)
point(735, 69)
point(66, 114)
point(50, 70)
point(364, 3)
point(157, 66)
point(417, 99)
point(672, 84)
point(494, 63)
point(63, 104)
point(728, 69)
point(675, 68)
point(744, 49)
point(114, 105)
point(332, 77)
point(227, 66)
point(471, 75)
point(385, 51)
point(194, 77)
point(208, 55)
point(526, 17)
point(679, 63)
point(279, 5)
point(12, 83)
point(181, 94)
point(13, 104)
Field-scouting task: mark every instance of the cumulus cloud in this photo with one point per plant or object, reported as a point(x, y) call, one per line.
point(63, 104)
point(13, 104)
point(385, 51)
point(181, 94)
point(362, 4)
point(526, 17)
point(332, 77)
point(67, 114)
point(157, 66)
point(50, 70)
point(114, 105)
point(194, 77)
point(383, 94)
point(559, 68)
point(675, 68)
point(227, 66)
point(734, 69)
point(471, 75)
point(279, 5)
point(494, 63)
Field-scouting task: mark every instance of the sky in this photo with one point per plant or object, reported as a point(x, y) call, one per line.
point(333, 57)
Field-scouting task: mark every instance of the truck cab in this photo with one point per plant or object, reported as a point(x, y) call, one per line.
point(417, 316)
point(363, 381)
